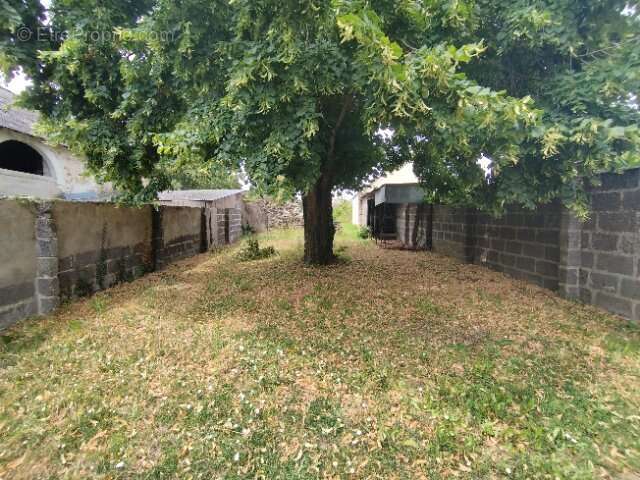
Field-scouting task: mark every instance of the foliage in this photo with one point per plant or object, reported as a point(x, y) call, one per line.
point(295, 92)
point(204, 179)
point(342, 211)
point(400, 365)
point(292, 91)
point(247, 230)
point(365, 233)
point(342, 214)
point(252, 251)
point(579, 63)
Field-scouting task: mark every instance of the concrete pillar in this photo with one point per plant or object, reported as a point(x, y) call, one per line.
point(570, 255)
point(157, 238)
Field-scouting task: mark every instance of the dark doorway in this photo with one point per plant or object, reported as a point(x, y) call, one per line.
point(20, 157)
point(371, 214)
point(385, 227)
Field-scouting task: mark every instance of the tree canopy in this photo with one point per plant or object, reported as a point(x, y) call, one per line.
point(307, 96)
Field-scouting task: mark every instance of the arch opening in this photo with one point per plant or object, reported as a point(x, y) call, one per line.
point(20, 157)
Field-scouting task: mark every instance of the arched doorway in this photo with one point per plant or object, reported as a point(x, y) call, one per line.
point(20, 157)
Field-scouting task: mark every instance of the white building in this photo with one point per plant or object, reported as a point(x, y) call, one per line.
point(31, 168)
point(399, 186)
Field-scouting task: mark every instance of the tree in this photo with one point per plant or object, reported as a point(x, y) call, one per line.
point(310, 96)
point(199, 179)
point(580, 62)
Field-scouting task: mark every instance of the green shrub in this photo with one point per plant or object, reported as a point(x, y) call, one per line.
point(247, 230)
point(252, 251)
point(364, 233)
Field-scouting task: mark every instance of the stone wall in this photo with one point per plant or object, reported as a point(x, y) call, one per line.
point(597, 261)
point(264, 214)
point(58, 250)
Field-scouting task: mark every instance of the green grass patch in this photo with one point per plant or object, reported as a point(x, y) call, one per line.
point(388, 364)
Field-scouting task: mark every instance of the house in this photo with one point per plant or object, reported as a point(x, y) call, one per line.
point(29, 167)
point(377, 206)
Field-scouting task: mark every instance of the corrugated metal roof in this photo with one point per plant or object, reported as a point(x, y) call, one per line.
point(13, 118)
point(197, 195)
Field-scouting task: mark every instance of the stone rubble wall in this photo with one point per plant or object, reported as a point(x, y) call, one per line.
point(263, 215)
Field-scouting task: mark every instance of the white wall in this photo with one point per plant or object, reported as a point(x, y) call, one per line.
point(18, 184)
point(355, 210)
point(63, 169)
point(360, 208)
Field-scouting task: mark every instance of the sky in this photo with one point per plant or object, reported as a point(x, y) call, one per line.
point(20, 82)
point(17, 85)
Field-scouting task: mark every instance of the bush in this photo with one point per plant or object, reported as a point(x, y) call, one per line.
point(364, 233)
point(247, 230)
point(252, 251)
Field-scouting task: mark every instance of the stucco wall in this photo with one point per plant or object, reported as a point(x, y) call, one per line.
point(18, 264)
point(53, 250)
point(61, 167)
point(178, 233)
point(85, 227)
point(100, 245)
point(18, 184)
point(180, 222)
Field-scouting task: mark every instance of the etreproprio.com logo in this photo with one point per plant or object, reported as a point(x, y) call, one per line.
point(26, 34)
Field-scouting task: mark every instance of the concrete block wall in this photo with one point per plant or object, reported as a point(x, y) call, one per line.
point(452, 233)
point(47, 263)
point(414, 224)
point(609, 263)
point(523, 243)
point(233, 217)
point(221, 223)
point(51, 251)
point(596, 262)
point(223, 226)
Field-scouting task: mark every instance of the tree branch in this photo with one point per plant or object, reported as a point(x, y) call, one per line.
point(334, 134)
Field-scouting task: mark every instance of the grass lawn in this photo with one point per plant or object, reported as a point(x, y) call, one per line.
point(389, 364)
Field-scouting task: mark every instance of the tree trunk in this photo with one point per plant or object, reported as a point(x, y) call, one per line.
point(319, 229)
